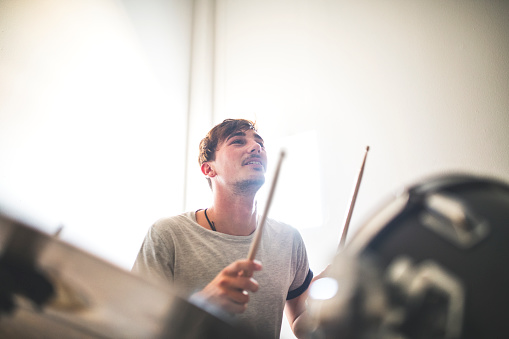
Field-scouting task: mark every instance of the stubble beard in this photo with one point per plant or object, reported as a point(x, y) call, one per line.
point(250, 186)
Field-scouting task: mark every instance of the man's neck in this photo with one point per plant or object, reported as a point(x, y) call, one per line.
point(234, 214)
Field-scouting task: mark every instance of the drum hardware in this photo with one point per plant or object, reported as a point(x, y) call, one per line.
point(432, 297)
point(413, 301)
point(20, 276)
point(351, 302)
point(22, 280)
point(377, 222)
point(428, 265)
point(447, 216)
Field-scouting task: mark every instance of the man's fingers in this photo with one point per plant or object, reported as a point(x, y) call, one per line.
point(230, 287)
point(245, 268)
point(245, 284)
point(234, 307)
point(240, 283)
point(239, 296)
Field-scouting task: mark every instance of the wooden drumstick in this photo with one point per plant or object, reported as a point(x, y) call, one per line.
point(258, 235)
point(352, 202)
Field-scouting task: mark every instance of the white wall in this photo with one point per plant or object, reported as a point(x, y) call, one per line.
point(93, 106)
point(424, 84)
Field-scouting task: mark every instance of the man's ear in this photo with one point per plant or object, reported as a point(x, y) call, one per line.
point(208, 170)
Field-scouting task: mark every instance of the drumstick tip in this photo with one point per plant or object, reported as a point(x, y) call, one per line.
point(367, 148)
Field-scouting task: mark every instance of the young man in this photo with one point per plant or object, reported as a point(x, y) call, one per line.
point(202, 252)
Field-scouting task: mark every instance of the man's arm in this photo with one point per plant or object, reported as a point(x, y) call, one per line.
point(297, 315)
point(296, 312)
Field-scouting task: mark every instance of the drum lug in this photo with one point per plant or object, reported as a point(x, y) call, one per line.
point(431, 297)
point(448, 217)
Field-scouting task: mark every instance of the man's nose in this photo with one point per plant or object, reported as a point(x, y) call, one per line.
point(255, 147)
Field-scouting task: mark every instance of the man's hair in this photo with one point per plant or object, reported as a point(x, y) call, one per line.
point(218, 134)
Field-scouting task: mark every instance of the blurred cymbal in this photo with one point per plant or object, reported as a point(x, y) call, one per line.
point(58, 290)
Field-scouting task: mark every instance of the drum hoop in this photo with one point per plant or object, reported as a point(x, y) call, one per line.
point(372, 228)
point(395, 208)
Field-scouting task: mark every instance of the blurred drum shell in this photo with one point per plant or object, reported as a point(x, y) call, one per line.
point(402, 229)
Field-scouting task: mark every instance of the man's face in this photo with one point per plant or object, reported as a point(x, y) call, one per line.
point(241, 160)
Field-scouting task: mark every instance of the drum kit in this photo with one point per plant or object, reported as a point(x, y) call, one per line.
point(430, 264)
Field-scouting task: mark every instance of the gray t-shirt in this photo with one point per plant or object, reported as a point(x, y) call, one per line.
point(180, 251)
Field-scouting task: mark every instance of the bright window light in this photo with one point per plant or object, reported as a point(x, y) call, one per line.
point(297, 198)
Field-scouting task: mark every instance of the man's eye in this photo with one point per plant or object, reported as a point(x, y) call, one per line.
point(237, 141)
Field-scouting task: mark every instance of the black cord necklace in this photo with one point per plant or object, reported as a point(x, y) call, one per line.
point(211, 224)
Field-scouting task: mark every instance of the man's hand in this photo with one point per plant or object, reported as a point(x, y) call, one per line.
point(322, 274)
point(229, 289)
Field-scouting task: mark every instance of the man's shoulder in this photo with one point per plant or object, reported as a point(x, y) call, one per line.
point(281, 227)
point(173, 222)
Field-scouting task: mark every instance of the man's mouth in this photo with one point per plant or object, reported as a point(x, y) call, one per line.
point(254, 162)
